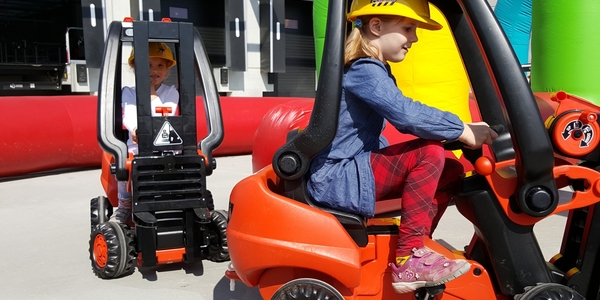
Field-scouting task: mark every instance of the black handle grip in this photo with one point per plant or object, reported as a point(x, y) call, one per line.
point(498, 128)
point(456, 145)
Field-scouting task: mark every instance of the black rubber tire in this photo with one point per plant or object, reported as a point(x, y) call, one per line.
point(111, 250)
point(217, 250)
point(210, 202)
point(549, 291)
point(95, 214)
point(307, 289)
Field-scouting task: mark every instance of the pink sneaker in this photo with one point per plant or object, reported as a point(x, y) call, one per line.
point(426, 268)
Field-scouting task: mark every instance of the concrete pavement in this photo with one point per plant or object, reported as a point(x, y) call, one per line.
point(44, 236)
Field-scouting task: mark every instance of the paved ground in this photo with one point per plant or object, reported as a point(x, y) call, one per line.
point(44, 234)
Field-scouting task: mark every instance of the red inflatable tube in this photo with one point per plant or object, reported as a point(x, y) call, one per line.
point(275, 125)
point(241, 118)
point(273, 129)
point(44, 133)
point(41, 133)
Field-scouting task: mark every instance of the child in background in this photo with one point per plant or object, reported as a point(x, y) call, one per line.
point(161, 95)
point(360, 168)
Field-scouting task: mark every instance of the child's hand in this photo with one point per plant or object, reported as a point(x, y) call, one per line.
point(476, 134)
point(153, 94)
point(152, 89)
point(134, 135)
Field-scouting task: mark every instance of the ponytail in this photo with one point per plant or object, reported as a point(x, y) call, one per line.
point(357, 46)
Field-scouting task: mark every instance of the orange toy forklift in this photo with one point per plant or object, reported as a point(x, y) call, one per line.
point(173, 211)
point(291, 248)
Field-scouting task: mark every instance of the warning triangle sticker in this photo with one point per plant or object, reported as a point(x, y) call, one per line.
point(167, 136)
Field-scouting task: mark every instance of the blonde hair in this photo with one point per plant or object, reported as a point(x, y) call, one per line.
point(357, 46)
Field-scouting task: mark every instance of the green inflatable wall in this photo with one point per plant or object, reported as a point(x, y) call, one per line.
point(319, 24)
point(565, 47)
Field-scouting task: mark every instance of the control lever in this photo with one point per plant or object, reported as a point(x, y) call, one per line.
point(456, 145)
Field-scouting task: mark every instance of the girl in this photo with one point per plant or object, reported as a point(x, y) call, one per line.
point(360, 167)
point(161, 60)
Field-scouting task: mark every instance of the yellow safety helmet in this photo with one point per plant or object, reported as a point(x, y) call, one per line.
point(415, 9)
point(158, 50)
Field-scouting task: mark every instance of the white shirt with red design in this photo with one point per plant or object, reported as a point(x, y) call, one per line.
point(167, 97)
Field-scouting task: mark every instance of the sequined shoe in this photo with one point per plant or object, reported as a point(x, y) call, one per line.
point(426, 268)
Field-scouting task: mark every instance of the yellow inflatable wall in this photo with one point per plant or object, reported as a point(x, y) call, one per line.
point(433, 72)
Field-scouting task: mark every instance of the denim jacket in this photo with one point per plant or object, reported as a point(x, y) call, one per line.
point(340, 176)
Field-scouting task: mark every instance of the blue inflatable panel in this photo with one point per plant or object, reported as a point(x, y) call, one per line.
point(515, 18)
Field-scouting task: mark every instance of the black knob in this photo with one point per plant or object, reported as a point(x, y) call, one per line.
point(289, 164)
point(538, 199)
point(113, 169)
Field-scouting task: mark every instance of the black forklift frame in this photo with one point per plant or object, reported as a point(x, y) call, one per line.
point(110, 88)
point(172, 186)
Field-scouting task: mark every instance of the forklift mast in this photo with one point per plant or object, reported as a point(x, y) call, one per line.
point(168, 176)
point(189, 47)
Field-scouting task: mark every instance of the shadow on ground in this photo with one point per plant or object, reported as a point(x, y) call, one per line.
point(242, 292)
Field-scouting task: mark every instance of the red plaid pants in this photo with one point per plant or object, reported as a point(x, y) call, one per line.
point(414, 171)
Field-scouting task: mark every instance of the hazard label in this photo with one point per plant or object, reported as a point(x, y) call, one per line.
point(167, 136)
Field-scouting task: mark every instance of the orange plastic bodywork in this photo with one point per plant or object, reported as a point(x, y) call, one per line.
point(575, 145)
point(287, 234)
point(273, 239)
point(573, 140)
point(169, 256)
point(502, 176)
point(503, 180)
point(108, 180)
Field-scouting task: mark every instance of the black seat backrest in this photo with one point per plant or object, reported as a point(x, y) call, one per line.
point(290, 161)
point(356, 225)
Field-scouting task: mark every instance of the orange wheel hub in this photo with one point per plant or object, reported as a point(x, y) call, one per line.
point(100, 251)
